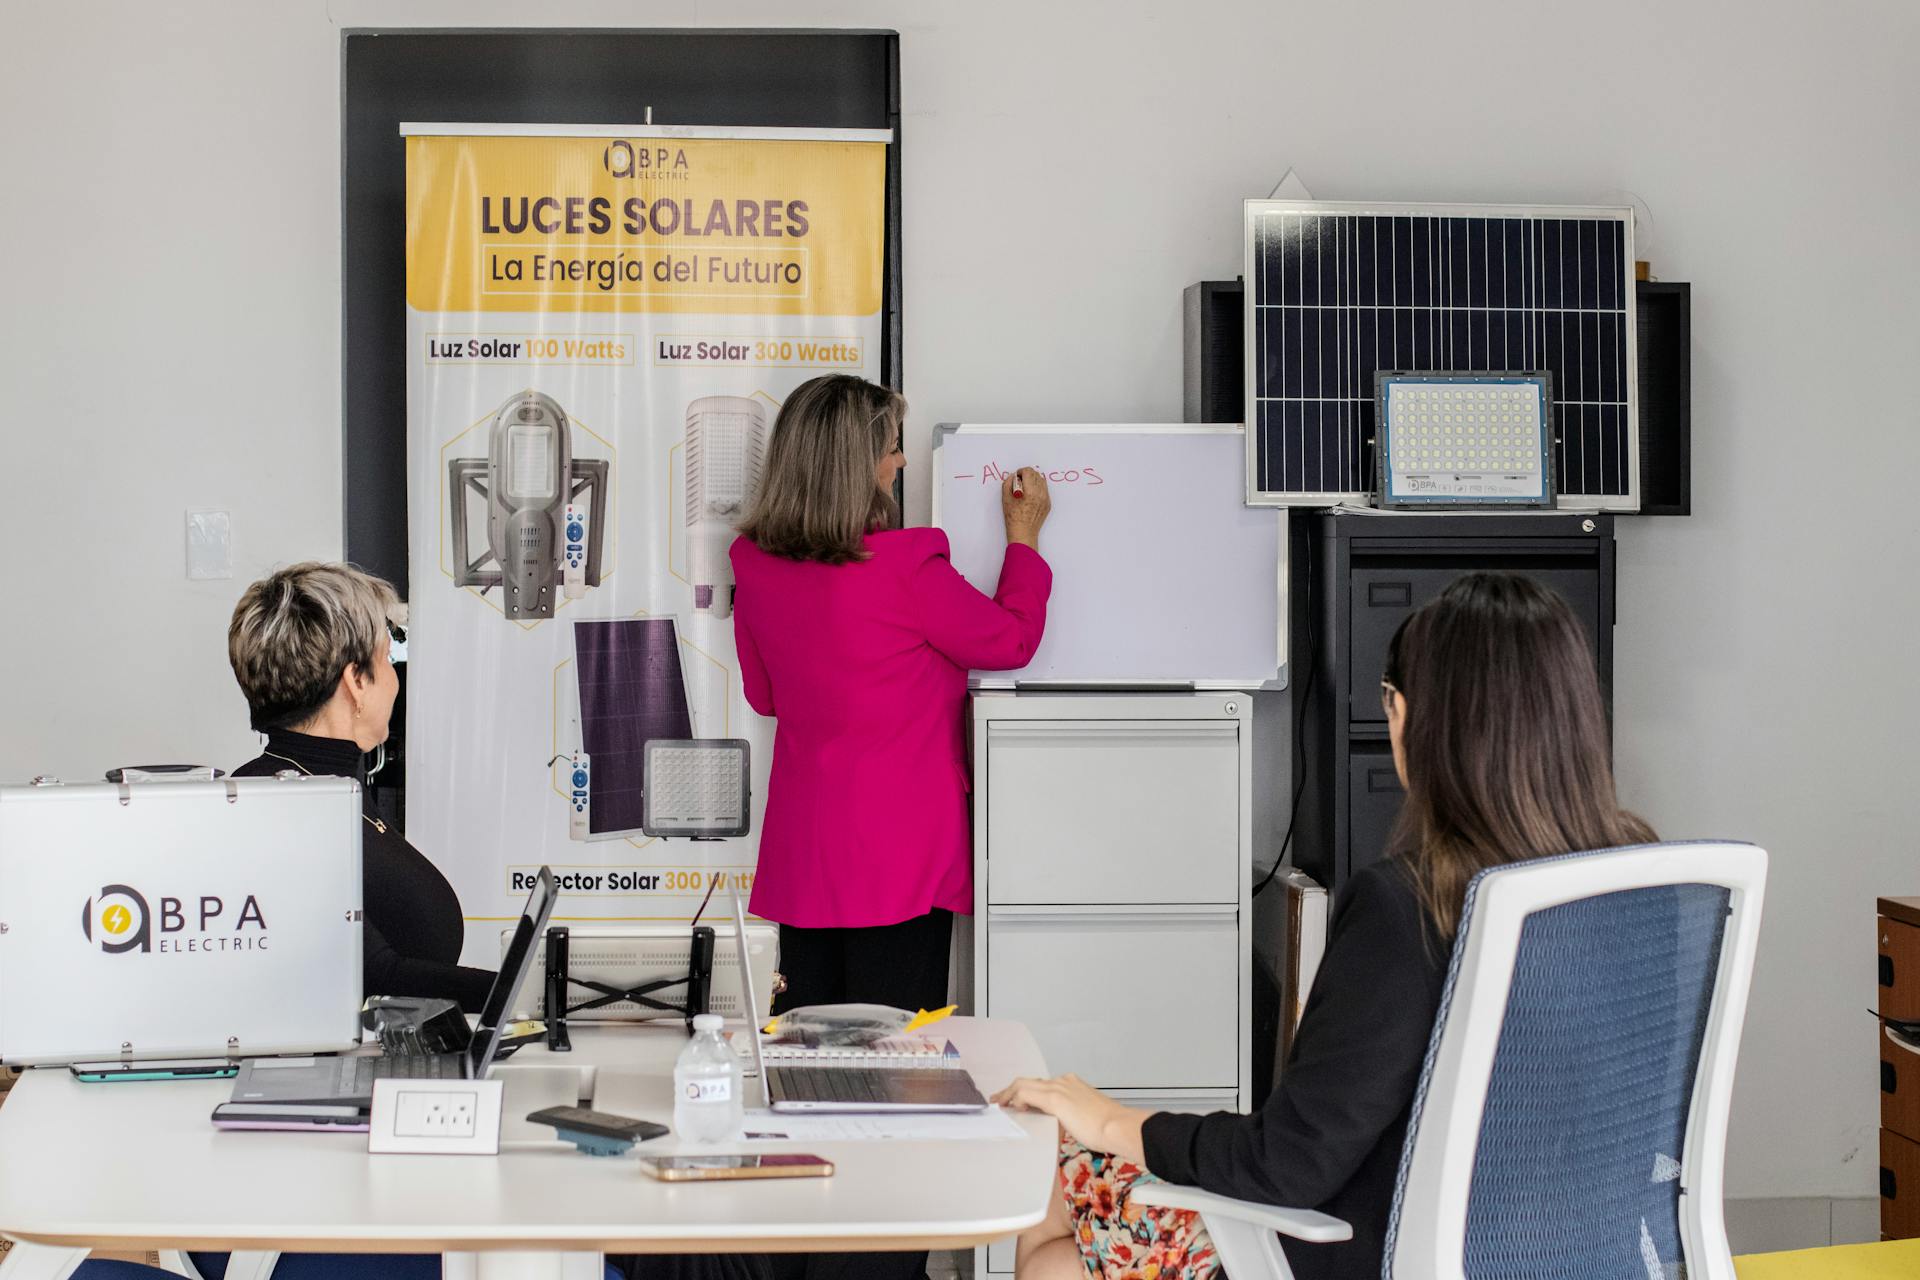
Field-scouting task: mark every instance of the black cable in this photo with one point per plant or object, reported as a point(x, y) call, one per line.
point(718, 876)
point(1299, 731)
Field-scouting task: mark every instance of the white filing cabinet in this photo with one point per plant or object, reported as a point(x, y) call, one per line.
point(1112, 869)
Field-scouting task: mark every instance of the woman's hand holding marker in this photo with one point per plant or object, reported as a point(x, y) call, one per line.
point(1025, 504)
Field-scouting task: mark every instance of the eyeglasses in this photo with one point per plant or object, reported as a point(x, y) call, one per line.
point(396, 632)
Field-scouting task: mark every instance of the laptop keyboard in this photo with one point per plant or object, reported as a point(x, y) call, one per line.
point(834, 1084)
point(362, 1072)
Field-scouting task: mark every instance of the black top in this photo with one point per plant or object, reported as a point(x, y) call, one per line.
point(414, 930)
point(1329, 1136)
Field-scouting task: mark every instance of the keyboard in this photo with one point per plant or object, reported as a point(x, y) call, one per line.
point(874, 1088)
point(834, 1084)
point(358, 1074)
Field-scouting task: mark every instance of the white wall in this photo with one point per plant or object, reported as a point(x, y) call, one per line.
point(171, 318)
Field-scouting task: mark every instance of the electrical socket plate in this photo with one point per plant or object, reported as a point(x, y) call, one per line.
point(435, 1117)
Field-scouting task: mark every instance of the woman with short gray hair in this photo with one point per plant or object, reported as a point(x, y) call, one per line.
point(311, 646)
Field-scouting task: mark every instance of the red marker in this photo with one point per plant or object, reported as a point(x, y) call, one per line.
point(1016, 486)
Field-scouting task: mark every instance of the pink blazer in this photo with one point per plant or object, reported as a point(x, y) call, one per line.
point(865, 666)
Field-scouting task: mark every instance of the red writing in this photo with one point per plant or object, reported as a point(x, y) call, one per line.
point(992, 474)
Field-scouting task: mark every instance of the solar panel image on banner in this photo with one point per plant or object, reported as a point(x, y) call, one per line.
point(631, 692)
point(1338, 292)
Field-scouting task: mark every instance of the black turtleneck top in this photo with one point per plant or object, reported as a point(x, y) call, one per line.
point(413, 930)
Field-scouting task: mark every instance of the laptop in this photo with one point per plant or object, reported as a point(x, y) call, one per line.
point(844, 1089)
point(349, 1080)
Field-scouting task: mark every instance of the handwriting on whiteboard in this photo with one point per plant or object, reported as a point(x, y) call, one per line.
point(992, 474)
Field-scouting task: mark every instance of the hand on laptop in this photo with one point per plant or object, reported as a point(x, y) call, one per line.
point(1089, 1116)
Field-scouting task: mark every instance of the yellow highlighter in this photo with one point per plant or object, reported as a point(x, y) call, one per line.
point(926, 1019)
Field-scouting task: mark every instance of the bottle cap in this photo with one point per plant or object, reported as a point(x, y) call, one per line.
point(708, 1022)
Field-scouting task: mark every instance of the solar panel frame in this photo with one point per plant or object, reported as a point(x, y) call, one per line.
point(1582, 425)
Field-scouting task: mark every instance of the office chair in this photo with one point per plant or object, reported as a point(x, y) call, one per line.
point(1571, 1118)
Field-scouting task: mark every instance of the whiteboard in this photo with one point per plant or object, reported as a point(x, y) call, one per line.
point(1161, 572)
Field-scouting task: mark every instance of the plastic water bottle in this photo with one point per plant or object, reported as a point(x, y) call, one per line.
point(707, 1101)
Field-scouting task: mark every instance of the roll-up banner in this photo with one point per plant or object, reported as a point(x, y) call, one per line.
point(601, 325)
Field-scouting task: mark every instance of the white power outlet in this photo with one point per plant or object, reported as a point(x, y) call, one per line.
point(439, 1117)
point(209, 545)
point(420, 1113)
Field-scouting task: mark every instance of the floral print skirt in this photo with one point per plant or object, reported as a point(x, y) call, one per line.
point(1120, 1240)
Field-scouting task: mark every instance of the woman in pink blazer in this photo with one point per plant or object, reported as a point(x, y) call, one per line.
point(857, 638)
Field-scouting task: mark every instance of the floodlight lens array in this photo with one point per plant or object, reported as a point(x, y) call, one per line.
point(1465, 439)
point(696, 787)
point(1465, 429)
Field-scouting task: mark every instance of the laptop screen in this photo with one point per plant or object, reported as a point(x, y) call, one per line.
point(514, 967)
point(752, 998)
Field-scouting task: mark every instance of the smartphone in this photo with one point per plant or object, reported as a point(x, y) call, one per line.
point(311, 1117)
point(177, 1069)
point(713, 1168)
point(601, 1124)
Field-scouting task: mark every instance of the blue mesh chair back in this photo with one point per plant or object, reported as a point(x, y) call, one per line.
point(1592, 1058)
point(1578, 1167)
point(1581, 1067)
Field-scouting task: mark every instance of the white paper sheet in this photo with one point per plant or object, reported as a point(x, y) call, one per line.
point(902, 1127)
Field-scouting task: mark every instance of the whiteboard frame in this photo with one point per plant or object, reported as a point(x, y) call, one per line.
point(1011, 680)
point(1251, 211)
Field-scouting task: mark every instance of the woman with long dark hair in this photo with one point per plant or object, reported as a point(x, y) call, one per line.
point(1500, 737)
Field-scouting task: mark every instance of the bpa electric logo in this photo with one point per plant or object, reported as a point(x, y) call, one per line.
point(124, 922)
point(117, 920)
point(625, 160)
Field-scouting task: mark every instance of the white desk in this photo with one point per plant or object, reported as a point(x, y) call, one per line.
point(139, 1166)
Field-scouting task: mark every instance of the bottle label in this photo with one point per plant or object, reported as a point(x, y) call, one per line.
point(712, 1089)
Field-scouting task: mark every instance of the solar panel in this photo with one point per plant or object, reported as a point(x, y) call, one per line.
point(1339, 292)
point(631, 692)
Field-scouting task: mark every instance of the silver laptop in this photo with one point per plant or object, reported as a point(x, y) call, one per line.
point(848, 1089)
point(349, 1080)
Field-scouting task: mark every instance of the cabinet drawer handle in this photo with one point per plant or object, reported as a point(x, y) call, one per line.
point(1889, 1078)
point(1889, 1189)
point(1085, 733)
point(1381, 780)
point(1389, 595)
point(1886, 971)
point(1225, 917)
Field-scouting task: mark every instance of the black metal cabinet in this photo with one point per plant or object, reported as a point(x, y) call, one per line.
point(1355, 578)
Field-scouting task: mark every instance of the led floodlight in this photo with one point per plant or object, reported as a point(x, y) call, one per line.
point(697, 787)
point(541, 534)
point(726, 444)
point(1465, 440)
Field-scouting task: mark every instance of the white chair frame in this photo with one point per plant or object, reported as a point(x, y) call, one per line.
point(1437, 1168)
